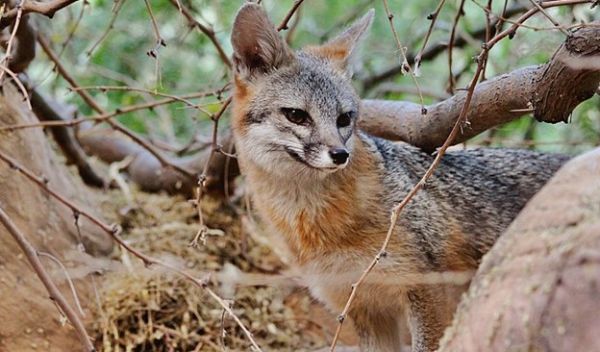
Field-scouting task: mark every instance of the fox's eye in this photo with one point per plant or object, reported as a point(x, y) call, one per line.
point(345, 119)
point(297, 116)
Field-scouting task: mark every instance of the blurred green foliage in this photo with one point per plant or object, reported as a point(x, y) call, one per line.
point(190, 63)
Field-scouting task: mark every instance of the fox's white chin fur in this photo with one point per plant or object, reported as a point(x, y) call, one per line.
point(330, 169)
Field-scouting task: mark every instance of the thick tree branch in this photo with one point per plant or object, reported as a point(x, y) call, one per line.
point(147, 171)
point(65, 139)
point(550, 91)
point(47, 8)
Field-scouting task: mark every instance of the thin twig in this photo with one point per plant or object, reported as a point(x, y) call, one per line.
point(488, 32)
point(433, 18)
point(67, 277)
point(18, 83)
point(209, 32)
point(433, 51)
point(6, 59)
point(504, 18)
point(73, 29)
point(153, 92)
point(451, 79)
point(55, 294)
point(547, 15)
point(116, 10)
point(153, 53)
point(500, 22)
point(95, 106)
point(105, 116)
point(289, 36)
point(159, 39)
point(510, 32)
point(203, 230)
point(64, 45)
point(405, 65)
point(284, 23)
point(65, 74)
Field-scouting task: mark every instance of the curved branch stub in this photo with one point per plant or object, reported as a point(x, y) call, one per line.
point(556, 97)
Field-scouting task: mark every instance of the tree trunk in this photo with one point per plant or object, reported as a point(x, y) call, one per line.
point(538, 288)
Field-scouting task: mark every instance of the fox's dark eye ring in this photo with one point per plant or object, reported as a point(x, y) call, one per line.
point(297, 116)
point(345, 119)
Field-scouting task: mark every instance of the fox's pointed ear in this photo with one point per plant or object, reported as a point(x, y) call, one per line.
point(257, 47)
point(340, 49)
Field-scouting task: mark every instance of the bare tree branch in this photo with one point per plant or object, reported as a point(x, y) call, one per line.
point(38, 267)
point(65, 140)
point(11, 41)
point(209, 32)
point(284, 23)
point(48, 8)
point(550, 91)
point(147, 171)
point(94, 105)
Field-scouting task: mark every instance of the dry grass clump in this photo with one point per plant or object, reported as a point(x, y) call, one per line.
point(151, 310)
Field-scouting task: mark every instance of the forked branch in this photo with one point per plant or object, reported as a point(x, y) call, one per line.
point(46, 8)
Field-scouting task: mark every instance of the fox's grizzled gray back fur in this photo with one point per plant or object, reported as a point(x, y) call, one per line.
point(479, 190)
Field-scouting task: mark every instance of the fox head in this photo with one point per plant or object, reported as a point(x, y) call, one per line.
point(297, 111)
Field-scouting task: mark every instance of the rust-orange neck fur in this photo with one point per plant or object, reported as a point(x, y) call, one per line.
point(323, 216)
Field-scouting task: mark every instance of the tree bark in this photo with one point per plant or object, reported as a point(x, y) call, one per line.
point(538, 287)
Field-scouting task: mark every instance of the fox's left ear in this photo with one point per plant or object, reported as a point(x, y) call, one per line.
point(340, 49)
point(257, 47)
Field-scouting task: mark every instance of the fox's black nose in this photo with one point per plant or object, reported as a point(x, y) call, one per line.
point(339, 155)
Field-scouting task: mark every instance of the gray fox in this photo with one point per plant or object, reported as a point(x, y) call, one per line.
point(329, 188)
